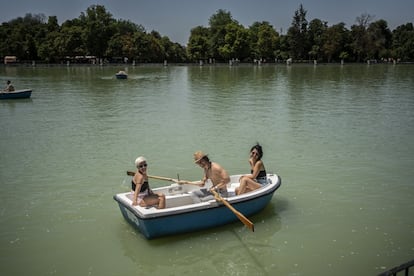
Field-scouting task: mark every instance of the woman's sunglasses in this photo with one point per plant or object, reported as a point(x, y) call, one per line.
point(142, 166)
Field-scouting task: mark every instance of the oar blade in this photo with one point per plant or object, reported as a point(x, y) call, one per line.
point(241, 217)
point(247, 223)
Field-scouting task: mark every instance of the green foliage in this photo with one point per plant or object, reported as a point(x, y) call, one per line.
point(217, 34)
point(264, 41)
point(297, 35)
point(99, 28)
point(96, 33)
point(403, 42)
point(335, 42)
point(198, 45)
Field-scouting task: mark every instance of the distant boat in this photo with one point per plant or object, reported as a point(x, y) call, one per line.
point(17, 94)
point(121, 75)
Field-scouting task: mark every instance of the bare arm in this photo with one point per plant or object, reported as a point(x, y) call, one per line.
point(138, 180)
point(220, 185)
point(219, 177)
point(256, 169)
point(200, 183)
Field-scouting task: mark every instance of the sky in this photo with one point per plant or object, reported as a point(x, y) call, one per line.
point(176, 18)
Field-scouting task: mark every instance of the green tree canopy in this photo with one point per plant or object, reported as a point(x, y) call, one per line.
point(96, 33)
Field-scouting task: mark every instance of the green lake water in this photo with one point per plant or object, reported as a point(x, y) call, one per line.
point(341, 138)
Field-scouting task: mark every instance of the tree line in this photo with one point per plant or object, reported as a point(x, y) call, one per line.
point(96, 33)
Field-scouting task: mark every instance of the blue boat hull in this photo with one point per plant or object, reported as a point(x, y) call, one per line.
point(213, 215)
point(19, 94)
point(121, 76)
point(192, 221)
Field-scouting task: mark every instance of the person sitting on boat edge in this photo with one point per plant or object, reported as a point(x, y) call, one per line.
point(257, 177)
point(143, 195)
point(9, 87)
point(213, 171)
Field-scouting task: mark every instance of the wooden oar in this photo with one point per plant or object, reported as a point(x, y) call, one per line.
point(241, 217)
point(171, 179)
point(166, 179)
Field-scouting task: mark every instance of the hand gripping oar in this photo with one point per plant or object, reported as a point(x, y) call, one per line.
point(241, 217)
point(166, 179)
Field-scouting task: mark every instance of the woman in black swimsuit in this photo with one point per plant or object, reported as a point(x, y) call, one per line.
point(257, 177)
point(143, 195)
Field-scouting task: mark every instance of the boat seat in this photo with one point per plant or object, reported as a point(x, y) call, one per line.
point(178, 200)
point(175, 189)
point(231, 189)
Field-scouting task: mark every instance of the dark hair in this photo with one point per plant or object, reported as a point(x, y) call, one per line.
point(205, 158)
point(259, 149)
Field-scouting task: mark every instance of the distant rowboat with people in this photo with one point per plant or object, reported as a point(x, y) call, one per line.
point(121, 75)
point(17, 94)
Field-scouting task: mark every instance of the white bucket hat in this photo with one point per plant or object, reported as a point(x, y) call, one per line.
point(139, 160)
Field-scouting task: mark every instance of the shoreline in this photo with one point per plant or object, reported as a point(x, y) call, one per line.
point(218, 64)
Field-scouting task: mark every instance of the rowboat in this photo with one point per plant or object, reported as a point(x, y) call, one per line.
point(185, 214)
point(17, 94)
point(121, 75)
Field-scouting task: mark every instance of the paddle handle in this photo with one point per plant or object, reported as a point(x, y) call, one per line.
point(166, 179)
point(172, 180)
point(241, 217)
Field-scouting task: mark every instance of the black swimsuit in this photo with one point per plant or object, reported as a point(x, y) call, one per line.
point(144, 187)
point(261, 174)
point(261, 177)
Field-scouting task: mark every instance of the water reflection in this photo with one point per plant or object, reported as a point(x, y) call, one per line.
point(207, 250)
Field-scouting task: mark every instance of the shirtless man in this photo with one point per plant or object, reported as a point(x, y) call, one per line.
point(213, 171)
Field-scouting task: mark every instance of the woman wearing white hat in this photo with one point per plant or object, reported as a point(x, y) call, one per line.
point(143, 195)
